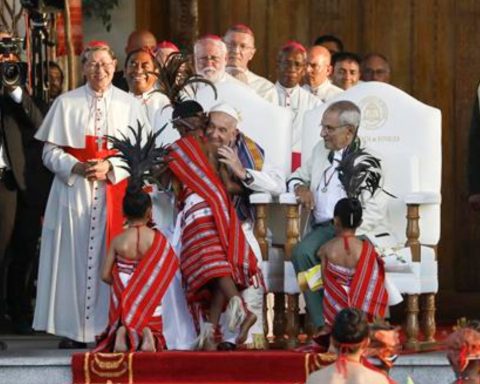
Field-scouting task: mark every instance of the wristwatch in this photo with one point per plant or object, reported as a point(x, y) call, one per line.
point(248, 179)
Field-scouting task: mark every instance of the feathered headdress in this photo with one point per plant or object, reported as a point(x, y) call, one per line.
point(139, 158)
point(177, 81)
point(359, 171)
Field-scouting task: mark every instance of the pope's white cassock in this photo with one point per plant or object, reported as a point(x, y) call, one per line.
point(298, 101)
point(72, 301)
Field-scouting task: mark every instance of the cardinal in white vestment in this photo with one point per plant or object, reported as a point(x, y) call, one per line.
point(240, 42)
point(84, 206)
point(291, 63)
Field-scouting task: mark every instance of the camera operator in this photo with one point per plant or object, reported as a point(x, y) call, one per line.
point(23, 249)
point(19, 117)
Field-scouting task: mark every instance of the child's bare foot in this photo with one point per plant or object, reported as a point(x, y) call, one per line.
point(148, 341)
point(250, 319)
point(121, 340)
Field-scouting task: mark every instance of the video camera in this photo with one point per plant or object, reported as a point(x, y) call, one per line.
point(12, 72)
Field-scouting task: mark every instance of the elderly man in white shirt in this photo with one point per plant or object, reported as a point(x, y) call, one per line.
point(318, 188)
point(240, 42)
point(317, 74)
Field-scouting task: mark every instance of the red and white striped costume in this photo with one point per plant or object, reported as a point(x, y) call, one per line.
point(362, 287)
point(135, 304)
point(213, 242)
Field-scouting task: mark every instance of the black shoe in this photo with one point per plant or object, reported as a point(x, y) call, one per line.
point(22, 327)
point(3, 346)
point(66, 343)
point(322, 338)
point(226, 346)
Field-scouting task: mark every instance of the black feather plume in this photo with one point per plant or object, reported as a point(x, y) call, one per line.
point(139, 158)
point(359, 171)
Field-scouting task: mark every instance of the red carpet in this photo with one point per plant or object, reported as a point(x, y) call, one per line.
point(259, 367)
point(264, 367)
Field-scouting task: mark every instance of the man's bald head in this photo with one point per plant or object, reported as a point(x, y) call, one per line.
point(140, 39)
point(318, 65)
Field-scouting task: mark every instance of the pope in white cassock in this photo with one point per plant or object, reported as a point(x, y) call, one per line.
point(84, 206)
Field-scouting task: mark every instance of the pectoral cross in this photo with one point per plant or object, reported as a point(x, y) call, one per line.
point(99, 141)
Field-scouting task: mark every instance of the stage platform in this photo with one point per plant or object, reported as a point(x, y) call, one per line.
point(35, 360)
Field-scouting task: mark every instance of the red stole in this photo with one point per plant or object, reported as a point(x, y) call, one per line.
point(133, 306)
point(296, 160)
point(191, 167)
point(114, 192)
point(367, 290)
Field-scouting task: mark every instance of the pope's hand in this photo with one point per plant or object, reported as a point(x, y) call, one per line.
point(304, 196)
point(230, 158)
point(97, 170)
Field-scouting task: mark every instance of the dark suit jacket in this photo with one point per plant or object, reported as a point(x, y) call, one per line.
point(18, 120)
point(119, 81)
point(474, 151)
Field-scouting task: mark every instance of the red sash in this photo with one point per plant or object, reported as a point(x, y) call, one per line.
point(191, 167)
point(114, 192)
point(367, 291)
point(296, 160)
point(133, 306)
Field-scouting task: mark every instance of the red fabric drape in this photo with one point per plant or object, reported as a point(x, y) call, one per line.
point(77, 31)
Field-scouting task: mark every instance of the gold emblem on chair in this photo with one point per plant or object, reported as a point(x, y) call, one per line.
point(374, 112)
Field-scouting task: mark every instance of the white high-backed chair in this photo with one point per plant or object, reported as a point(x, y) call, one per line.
point(406, 135)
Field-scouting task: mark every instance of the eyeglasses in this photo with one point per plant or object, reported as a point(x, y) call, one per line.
point(94, 66)
point(330, 128)
point(241, 47)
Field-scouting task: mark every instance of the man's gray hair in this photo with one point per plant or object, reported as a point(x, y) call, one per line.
point(87, 52)
point(219, 43)
point(348, 113)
